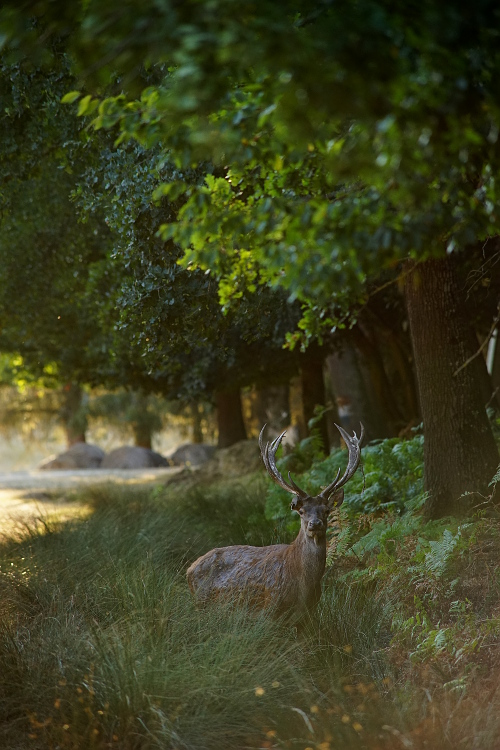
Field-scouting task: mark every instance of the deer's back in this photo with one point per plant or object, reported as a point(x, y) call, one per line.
point(259, 573)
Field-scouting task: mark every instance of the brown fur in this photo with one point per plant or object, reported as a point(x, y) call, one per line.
point(285, 578)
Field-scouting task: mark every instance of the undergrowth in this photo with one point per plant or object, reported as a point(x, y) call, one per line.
point(101, 645)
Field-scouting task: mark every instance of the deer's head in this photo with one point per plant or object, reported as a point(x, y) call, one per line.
point(313, 510)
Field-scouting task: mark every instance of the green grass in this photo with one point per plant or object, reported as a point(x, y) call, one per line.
point(101, 645)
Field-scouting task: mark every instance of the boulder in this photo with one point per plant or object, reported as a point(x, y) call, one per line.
point(133, 457)
point(233, 462)
point(241, 458)
point(192, 454)
point(78, 456)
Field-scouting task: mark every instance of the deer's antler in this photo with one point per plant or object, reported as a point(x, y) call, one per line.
point(268, 452)
point(353, 444)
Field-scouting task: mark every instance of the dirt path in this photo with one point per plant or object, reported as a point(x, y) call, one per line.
point(27, 495)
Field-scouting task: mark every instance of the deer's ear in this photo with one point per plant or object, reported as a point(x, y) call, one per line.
point(336, 499)
point(296, 503)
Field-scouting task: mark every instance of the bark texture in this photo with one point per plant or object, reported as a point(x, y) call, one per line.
point(230, 418)
point(271, 405)
point(197, 430)
point(142, 435)
point(73, 414)
point(313, 389)
point(460, 452)
point(355, 394)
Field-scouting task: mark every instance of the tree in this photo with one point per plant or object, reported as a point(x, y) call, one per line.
point(169, 319)
point(81, 214)
point(333, 170)
point(456, 460)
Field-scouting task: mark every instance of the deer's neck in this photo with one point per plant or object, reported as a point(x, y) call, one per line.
point(309, 556)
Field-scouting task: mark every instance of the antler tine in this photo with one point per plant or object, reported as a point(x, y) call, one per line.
point(268, 452)
point(353, 444)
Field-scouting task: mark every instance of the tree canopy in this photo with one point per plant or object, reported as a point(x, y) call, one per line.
point(323, 149)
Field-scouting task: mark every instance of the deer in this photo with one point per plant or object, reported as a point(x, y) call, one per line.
point(283, 578)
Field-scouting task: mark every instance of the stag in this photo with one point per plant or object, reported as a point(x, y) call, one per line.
point(285, 578)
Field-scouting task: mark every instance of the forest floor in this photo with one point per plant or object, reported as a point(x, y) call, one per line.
point(29, 495)
point(101, 645)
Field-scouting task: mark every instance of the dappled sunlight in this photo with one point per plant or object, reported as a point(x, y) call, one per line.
point(102, 642)
point(32, 497)
point(23, 509)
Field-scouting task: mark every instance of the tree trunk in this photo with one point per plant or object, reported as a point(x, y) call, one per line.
point(229, 418)
point(142, 419)
point(313, 389)
point(142, 435)
point(368, 347)
point(73, 414)
point(196, 424)
point(397, 348)
point(355, 394)
point(484, 379)
point(271, 406)
point(495, 369)
point(459, 450)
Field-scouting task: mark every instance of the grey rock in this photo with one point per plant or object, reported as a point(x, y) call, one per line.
point(240, 458)
point(78, 456)
point(192, 454)
point(133, 457)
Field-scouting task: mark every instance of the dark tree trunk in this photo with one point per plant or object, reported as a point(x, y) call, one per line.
point(459, 451)
point(313, 388)
point(271, 406)
point(229, 418)
point(397, 348)
point(368, 347)
point(296, 409)
point(484, 379)
point(196, 424)
point(142, 435)
point(495, 370)
point(355, 394)
point(142, 420)
point(73, 415)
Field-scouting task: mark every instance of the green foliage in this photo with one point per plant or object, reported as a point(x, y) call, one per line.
point(391, 479)
point(118, 653)
point(440, 555)
point(108, 302)
point(143, 414)
point(167, 319)
point(399, 160)
point(47, 255)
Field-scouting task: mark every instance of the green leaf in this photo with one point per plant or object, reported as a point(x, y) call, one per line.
point(70, 97)
point(84, 105)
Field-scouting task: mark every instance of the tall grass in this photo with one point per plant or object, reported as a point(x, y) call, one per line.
point(101, 645)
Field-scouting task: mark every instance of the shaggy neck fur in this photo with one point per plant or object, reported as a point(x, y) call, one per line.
point(307, 556)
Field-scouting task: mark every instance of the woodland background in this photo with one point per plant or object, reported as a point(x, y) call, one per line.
point(219, 214)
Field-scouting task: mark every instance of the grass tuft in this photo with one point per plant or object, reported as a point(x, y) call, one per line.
point(101, 645)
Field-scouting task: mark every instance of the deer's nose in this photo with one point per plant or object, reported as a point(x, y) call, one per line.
point(315, 524)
